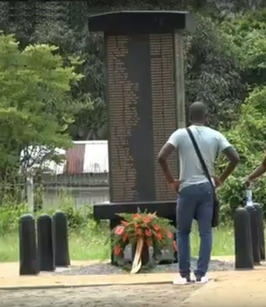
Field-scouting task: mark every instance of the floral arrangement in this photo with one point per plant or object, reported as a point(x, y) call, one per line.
point(146, 227)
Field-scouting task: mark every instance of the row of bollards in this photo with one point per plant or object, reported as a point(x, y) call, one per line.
point(249, 237)
point(50, 250)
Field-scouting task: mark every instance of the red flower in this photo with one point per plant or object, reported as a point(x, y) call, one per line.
point(125, 223)
point(156, 227)
point(136, 215)
point(125, 236)
point(146, 220)
point(159, 236)
point(136, 225)
point(175, 246)
point(119, 230)
point(117, 250)
point(148, 232)
point(169, 235)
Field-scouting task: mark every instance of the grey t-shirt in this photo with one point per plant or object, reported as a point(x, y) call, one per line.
point(210, 143)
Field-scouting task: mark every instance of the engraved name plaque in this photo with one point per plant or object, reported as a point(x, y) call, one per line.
point(145, 97)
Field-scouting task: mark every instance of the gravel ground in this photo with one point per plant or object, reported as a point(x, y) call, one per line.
point(108, 269)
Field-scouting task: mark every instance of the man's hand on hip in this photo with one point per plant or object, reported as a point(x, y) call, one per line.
point(175, 185)
point(218, 182)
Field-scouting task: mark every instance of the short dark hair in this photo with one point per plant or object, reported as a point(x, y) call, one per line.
point(198, 111)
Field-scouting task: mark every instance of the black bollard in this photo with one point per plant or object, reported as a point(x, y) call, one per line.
point(27, 246)
point(60, 234)
point(45, 243)
point(255, 239)
point(243, 242)
point(261, 230)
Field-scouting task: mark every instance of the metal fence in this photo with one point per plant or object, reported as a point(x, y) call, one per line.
point(78, 196)
point(57, 190)
point(79, 189)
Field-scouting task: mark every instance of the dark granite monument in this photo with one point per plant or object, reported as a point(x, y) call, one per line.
point(145, 97)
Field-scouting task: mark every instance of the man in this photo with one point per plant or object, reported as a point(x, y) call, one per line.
point(195, 193)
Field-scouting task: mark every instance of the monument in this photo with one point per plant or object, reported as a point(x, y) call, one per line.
point(146, 103)
point(145, 98)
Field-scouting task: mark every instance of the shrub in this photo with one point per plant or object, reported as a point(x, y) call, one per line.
point(248, 137)
point(78, 217)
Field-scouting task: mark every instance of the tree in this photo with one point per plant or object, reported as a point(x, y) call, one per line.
point(64, 24)
point(213, 73)
point(248, 136)
point(245, 36)
point(90, 91)
point(36, 107)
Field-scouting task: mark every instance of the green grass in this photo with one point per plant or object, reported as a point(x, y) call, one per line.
point(223, 242)
point(89, 244)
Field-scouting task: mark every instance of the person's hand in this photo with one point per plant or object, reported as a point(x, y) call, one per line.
point(175, 185)
point(247, 182)
point(218, 182)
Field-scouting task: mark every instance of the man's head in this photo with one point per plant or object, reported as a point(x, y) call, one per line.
point(198, 112)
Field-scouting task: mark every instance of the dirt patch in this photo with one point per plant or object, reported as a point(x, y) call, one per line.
point(113, 296)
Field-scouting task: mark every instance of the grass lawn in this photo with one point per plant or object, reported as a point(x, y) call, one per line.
point(89, 244)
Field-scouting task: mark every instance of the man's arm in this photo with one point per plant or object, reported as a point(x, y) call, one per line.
point(163, 155)
point(260, 170)
point(166, 151)
point(228, 150)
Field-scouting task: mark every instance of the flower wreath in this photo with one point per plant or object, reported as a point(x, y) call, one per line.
point(141, 229)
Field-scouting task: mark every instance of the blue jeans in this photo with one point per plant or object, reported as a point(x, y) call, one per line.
point(194, 201)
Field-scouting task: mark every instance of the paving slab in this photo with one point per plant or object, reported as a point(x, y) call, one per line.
point(9, 278)
point(110, 296)
point(243, 289)
point(239, 288)
point(61, 281)
point(9, 269)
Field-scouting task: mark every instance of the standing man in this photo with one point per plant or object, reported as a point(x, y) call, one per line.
point(195, 193)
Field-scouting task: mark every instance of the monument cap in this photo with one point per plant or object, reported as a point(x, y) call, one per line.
point(131, 22)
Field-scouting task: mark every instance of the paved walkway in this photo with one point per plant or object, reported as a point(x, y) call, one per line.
point(9, 278)
point(113, 296)
point(239, 288)
point(11, 269)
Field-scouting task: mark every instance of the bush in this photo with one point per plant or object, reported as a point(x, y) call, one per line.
point(9, 218)
point(248, 137)
point(78, 218)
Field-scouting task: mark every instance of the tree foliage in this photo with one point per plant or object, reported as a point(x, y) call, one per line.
point(213, 73)
point(245, 35)
point(64, 24)
point(36, 106)
point(90, 91)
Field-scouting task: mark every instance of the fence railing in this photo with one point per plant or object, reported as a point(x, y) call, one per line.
point(57, 190)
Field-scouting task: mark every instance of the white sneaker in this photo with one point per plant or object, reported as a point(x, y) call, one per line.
point(202, 280)
point(182, 280)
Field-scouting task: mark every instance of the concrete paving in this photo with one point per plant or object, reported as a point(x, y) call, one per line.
point(242, 288)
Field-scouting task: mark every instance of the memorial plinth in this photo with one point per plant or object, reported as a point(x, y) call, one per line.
point(146, 103)
point(145, 98)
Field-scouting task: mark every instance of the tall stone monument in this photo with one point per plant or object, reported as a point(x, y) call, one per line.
point(145, 97)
